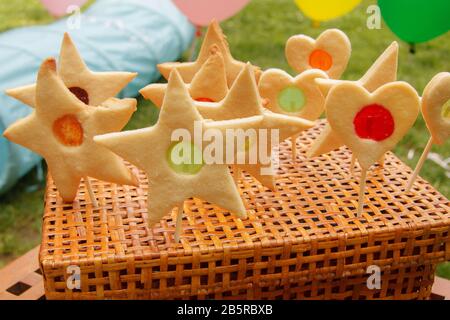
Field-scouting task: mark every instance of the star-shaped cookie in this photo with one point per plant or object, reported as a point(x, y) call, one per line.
point(92, 88)
point(172, 182)
point(243, 101)
point(209, 83)
point(61, 129)
point(214, 36)
point(383, 70)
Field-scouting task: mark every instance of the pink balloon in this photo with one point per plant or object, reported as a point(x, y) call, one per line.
point(201, 12)
point(58, 8)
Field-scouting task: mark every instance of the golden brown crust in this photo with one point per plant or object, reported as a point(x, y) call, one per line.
point(435, 96)
point(61, 129)
point(347, 99)
point(214, 36)
point(209, 82)
point(382, 71)
point(99, 86)
point(274, 81)
point(148, 148)
point(333, 41)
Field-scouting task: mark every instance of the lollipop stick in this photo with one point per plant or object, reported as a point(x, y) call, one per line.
point(178, 225)
point(294, 147)
point(362, 189)
point(192, 51)
point(236, 174)
point(91, 192)
point(352, 164)
point(419, 165)
point(382, 161)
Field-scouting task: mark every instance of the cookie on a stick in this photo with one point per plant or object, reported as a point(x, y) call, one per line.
point(382, 71)
point(61, 129)
point(244, 101)
point(92, 88)
point(214, 36)
point(436, 112)
point(171, 182)
point(208, 85)
point(370, 124)
point(330, 52)
point(293, 96)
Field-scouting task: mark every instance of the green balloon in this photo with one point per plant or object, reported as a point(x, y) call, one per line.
point(416, 21)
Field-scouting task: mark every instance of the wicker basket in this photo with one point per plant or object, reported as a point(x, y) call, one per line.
point(301, 242)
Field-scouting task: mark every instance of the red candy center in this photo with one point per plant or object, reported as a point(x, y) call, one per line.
point(374, 122)
point(81, 94)
point(204, 100)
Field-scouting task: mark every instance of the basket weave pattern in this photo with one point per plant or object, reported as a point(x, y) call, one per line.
point(302, 241)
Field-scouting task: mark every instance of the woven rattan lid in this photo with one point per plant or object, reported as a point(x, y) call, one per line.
point(315, 202)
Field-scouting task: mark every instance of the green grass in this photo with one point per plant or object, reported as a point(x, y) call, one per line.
point(257, 34)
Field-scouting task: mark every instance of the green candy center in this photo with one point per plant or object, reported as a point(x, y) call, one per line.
point(446, 110)
point(291, 99)
point(185, 158)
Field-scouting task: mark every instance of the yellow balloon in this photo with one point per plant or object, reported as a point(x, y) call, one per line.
point(323, 10)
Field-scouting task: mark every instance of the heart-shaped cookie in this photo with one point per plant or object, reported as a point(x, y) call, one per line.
point(330, 52)
point(436, 107)
point(371, 124)
point(299, 96)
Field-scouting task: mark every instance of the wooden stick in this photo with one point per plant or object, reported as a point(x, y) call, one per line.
point(178, 228)
point(382, 161)
point(294, 147)
point(362, 189)
point(91, 192)
point(236, 174)
point(192, 50)
point(419, 165)
point(352, 164)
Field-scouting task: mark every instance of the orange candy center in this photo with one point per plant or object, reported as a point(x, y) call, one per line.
point(320, 59)
point(204, 99)
point(68, 131)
